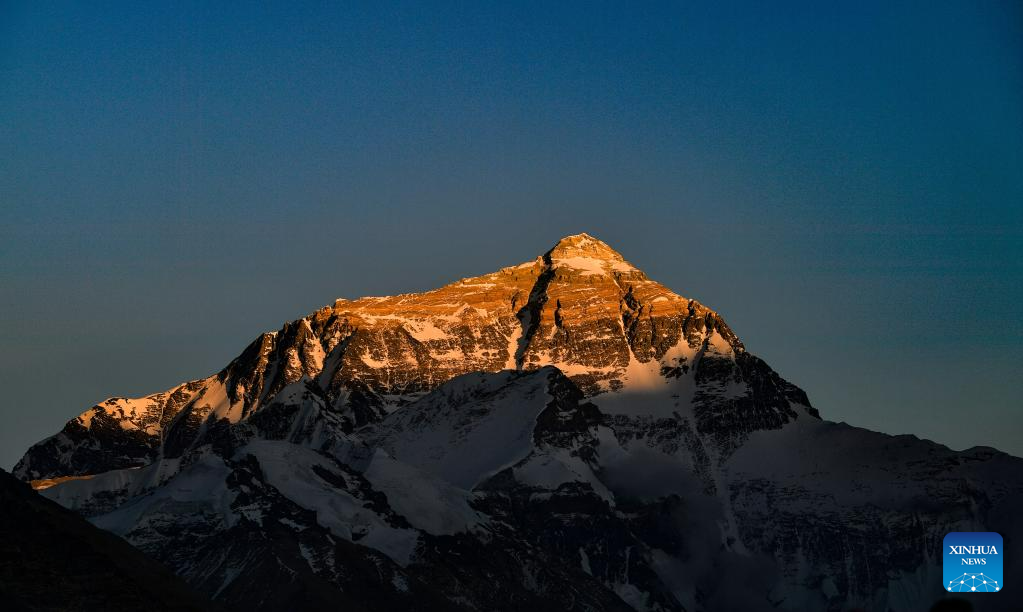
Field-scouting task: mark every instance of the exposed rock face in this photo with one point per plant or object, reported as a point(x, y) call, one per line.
point(561, 434)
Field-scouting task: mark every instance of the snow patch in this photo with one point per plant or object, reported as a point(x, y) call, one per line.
point(587, 265)
point(425, 501)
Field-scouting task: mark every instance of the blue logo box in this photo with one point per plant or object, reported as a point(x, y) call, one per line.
point(972, 562)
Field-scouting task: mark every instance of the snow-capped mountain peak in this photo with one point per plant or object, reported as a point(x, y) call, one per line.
point(565, 433)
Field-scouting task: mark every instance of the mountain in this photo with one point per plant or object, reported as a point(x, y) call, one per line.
point(561, 434)
point(53, 559)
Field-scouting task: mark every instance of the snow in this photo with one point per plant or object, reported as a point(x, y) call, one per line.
point(513, 348)
point(314, 350)
point(580, 240)
point(308, 555)
point(202, 486)
point(717, 345)
point(368, 359)
point(574, 369)
point(399, 582)
point(646, 392)
point(214, 396)
point(587, 265)
point(143, 413)
point(86, 417)
point(463, 442)
point(79, 493)
point(425, 331)
point(858, 463)
point(405, 320)
point(551, 468)
point(621, 266)
point(289, 468)
point(632, 596)
point(230, 574)
point(427, 502)
point(584, 561)
point(46, 483)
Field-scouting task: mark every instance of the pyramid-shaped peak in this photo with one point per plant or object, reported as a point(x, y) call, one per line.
point(583, 245)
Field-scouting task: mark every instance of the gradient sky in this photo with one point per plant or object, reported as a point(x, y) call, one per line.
point(844, 184)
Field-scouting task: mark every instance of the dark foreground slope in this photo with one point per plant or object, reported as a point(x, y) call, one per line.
point(52, 559)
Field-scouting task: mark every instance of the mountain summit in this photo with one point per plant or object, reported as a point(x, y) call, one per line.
point(584, 246)
point(580, 307)
point(565, 433)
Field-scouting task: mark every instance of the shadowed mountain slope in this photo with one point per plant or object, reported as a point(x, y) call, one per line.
point(53, 559)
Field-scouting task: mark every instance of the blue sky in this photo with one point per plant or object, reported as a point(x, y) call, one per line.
point(843, 183)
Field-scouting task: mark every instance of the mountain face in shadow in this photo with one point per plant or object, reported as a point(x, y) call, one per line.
point(564, 434)
point(53, 559)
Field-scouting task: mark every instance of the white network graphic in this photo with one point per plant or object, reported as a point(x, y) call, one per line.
point(973, 582)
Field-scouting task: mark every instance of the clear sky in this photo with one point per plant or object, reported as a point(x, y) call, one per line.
point(844, 184)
